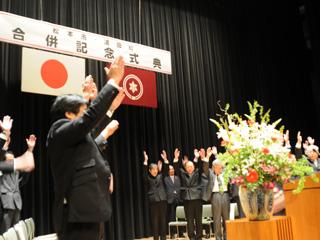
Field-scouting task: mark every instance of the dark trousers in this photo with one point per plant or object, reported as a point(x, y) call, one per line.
point(158, 211)
point(193, 211)
point(220, 205)
point(81, 231)
point(10, 218)
point(171, 215)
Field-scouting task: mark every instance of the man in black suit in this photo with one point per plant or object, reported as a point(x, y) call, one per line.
point(79, 171)
point(173, 185)
point(191, 192)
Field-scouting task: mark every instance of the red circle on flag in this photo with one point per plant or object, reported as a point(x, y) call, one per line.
point(54, 74)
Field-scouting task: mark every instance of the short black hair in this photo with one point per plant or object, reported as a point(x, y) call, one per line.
point(66, 103)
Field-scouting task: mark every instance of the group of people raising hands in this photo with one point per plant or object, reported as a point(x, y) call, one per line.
point(198, 183)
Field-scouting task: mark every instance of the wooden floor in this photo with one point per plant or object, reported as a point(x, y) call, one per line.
point(150, 238)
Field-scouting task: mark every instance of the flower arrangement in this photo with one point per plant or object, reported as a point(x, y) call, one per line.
point(255, 154)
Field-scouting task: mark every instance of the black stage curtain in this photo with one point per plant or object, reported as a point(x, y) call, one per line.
point(232, 51)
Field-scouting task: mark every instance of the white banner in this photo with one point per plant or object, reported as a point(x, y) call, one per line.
point(43, 35)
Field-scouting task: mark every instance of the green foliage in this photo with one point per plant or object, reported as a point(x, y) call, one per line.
point(255, 155)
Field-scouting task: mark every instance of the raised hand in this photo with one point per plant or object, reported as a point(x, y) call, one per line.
point(214, 150)
point(145, 156)
point(116, 70)
point(310, 140)
point(110, 129)
point(196, 153)
point(164, 155)
point(89, 89)
point(6, 124)
point(31, 142)
point(286, 137)
point(209, 152)
point(299, 138)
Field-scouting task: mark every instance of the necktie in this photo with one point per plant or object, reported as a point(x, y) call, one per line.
point(220, 184)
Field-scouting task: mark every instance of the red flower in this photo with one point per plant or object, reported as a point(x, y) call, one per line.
point(265, 150)
point(252, 176)
point(268, 185)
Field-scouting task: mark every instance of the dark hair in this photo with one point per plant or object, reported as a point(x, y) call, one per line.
point(66, 103)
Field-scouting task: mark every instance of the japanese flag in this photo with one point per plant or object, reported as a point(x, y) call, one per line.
point(50, 73)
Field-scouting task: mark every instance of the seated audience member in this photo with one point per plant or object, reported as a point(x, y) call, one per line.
point(156, 195)
point(217, 192)
point(173, 185)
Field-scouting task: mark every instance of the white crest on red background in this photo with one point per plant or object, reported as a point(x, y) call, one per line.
point(133, 87)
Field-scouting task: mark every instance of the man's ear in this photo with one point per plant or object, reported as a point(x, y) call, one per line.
point(69, 115)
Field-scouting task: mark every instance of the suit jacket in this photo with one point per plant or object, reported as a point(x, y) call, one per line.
point(79, 172)
point(191, 188)
point(208, 181)
point(6, 167)
point(10, 184)
point(155, 185)
point(173, 189)
point(2, 152)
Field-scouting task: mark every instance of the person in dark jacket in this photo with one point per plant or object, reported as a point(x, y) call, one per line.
point(80, 174)
point(191, 193)
point(157, 196)
point(173, 184)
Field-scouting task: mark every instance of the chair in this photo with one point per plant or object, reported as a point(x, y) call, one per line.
point(30, 228)
point(233, 211)
point(52, 236)
point(10, 234)
point(180, 219)
point(207, 216)
point(21, 230)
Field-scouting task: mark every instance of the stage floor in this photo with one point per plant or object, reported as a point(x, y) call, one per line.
point(150, 238)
